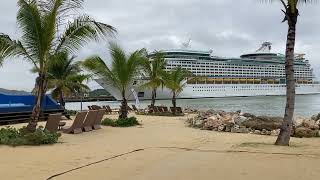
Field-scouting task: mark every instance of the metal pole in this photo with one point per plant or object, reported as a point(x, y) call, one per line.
point(81, 102)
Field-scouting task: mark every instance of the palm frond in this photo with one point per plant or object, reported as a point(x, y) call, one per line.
point(81, 31)
point(11, 48)
point(99, 69)
point(29, 21)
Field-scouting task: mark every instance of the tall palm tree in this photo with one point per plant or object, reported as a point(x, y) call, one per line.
point(46, 30)
point(122, 73)
point(175, 80)
point(154, 70)
point(291, 14)
point(64, 77)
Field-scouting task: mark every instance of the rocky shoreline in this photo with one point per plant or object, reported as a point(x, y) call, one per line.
point(238, 122)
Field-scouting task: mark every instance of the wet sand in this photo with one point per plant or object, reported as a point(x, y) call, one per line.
point(166, 149)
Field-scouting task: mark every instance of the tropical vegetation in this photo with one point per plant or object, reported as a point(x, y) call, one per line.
point(65, 78)
point(122, 73)
point(17, 137)
point(128, 122)
point(175, 80)
point(49, 27)
point(155, 72)
point(291, 14)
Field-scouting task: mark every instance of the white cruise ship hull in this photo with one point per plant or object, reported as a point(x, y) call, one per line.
point(194, 91)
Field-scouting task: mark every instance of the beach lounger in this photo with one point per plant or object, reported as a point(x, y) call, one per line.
point(109, 109)
point(106, 111)
point(160, 109)
point(179, 110)
point(95, 107)
point(134, 107)
point(155, 109)
point(98, 119)
point(76, 127)
point(89, 120)
point(53, 122)
point(165, 109)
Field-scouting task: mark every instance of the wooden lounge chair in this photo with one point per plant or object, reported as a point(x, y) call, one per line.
point(53, 122)
point(172, 109)
point(165, 109)
point(129, 108)
point(109, 109)
point(160, 109)
point(95, 107)
point(155, 109)
point(179, 110)
point(134, 107)
point(99, 117)
point(76, 127)
point(89, 120)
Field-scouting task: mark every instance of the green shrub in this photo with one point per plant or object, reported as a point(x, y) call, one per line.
point(18, 137)
point(131, 121)
point(69, 113)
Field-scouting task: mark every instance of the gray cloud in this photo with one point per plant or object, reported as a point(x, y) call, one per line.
point(228, 27)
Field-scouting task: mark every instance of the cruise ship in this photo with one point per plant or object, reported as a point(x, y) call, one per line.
point(261, 73)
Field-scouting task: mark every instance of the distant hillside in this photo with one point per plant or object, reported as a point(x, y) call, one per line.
point(14, 92)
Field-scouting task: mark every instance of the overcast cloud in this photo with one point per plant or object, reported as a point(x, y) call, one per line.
point(228, 27)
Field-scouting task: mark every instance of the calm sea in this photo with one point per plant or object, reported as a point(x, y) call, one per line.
point(306, 105)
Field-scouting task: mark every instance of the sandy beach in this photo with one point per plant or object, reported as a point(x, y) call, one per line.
point(163, 148)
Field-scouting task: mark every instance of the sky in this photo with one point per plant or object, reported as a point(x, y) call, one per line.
point(228, 27)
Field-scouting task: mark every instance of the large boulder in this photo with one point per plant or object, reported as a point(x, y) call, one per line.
point(248, 115)
point(316, 117)
point(305, 132)
point(298, 121)
point(240, 119)
point(311, 124)
point(197, 122)
point(275, 132)
point(263, 122)
point(212, 122)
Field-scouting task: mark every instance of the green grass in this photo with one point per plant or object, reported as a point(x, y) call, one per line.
point(132, 121)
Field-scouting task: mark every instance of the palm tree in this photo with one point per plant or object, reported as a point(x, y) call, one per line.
point(121, 75)
point(41, 23)
point(291, 14)
point(154, 70)
point(175, 80)
point(64, 77)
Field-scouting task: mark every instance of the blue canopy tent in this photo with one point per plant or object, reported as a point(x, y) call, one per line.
point(12, 107)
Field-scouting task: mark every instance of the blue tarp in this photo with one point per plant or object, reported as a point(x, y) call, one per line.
point(25, 103)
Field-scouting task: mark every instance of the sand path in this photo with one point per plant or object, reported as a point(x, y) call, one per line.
point(209, 155)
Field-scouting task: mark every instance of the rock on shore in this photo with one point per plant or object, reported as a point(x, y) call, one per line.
point(238, 122)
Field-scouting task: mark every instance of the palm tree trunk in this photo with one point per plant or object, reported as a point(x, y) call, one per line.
point(153, 97)
point(61, 99)
point(174, 102)
point(124, 107)
point(41, 90)
point(286, 128)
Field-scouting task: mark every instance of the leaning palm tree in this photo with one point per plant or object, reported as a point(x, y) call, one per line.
point(46, 29)
point(154, 70)
point(175, 80)
point(291, 14)
point(64, 77)
point(123, 71)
